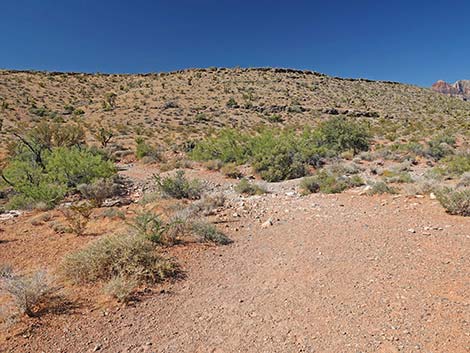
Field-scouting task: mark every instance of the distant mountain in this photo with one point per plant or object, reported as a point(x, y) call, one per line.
point(460, 88)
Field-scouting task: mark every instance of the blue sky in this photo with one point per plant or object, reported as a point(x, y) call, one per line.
point(408, 41)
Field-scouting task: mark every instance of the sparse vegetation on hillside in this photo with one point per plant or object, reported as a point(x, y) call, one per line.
point(285, 154)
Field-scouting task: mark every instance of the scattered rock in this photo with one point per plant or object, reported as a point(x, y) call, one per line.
point(267, 224)
point(10, 214)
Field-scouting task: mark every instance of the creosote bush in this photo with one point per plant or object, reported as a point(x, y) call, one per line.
point(144, 150)
point(309, 185)
point(247, 188)
point(380, 187)
point(152, 227)
point(99, 190)
point(209, 233)
point(455, 201)
point(327, 182)
point(78, 216)
point(121, 288)
point(179, 187)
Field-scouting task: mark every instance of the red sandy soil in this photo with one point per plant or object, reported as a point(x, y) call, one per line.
point(334, 273)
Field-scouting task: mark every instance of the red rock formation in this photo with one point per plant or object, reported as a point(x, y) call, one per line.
point(460, 88)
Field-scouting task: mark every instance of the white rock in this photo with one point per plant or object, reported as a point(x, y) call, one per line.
point(267, 224)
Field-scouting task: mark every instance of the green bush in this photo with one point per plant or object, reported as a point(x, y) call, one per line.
point(73, 166)
point(228, 146)
point(143, 149)
point(457, 164)
point(232, 103)
point(62, 169)
point(455, 201)
point(152, 227)
point(230, 170)
point(208, 232)
point(380, 187)
point(340, 134)
point(245, 187)
point(440, 146)
point(309, 185)
point(278, 154)
point(179, 187)
point(327, 182)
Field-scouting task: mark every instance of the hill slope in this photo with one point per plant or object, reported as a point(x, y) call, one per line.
point(186, 103)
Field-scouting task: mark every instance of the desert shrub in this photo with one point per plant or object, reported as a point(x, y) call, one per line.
point(455, 201)
point(245, 187)
point(179, 187)
point(440, 146)
point(29, 292)
point(356, 180)
point(464, 180)
point(46, 136)
point(228, 146)
point(391, 176)
point(5, 271)
point(309, 185)
point(73, 166)
point(230, 170)
point(59, 171)
point(457, 164)
point(152, 227)
point(213, 164)
point(109, 102)
point(208, 232)
point(113, 212)
point(60, 227)
point(143, 150)
point(421, 186)
point(277, 156)
point(111, 256)
point(232, 103)
point(275, 118)
point(340, 134)
point(208, 203)
point(120, 288)
point(104, 136)
point(379, 188)
point(326, 182)
point(77, 217)
point(99, 190)
point(344, 168)
point(284, 154)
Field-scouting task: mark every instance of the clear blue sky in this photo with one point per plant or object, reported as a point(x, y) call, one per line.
point(408, 41)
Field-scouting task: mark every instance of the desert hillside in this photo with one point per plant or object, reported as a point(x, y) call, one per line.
point(232, 210)
point(173, 106)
